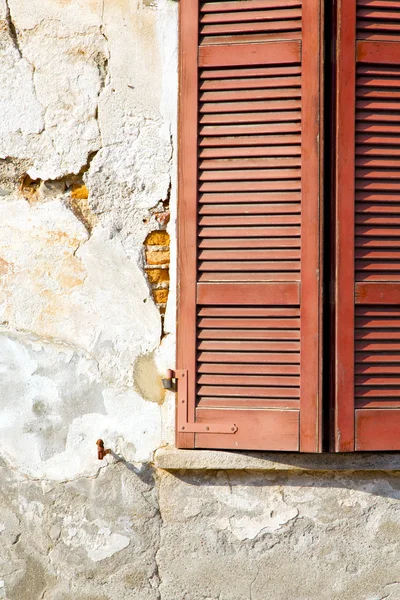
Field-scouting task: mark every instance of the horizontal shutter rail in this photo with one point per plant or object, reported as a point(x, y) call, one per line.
point(377, 52)
point(276, 53)
point(377, 293)
point(248, 293)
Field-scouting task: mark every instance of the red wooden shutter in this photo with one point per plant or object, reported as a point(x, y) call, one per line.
point(249, 189)
point(368, 227)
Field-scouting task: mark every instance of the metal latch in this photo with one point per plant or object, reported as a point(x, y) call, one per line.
point(178, 381)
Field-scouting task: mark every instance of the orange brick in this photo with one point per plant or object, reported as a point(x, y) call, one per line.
point(79, 192)
point(160, 296)
point(157, 257)
point(157, 238)
point(157, 275)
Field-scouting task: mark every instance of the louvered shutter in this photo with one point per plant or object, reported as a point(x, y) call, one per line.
point(368, 227)
point(248, 254)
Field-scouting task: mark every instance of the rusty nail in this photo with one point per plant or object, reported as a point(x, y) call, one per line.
point(101, 452)
point(207, 428)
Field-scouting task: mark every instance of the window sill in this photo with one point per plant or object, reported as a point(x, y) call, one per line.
point(172, 459)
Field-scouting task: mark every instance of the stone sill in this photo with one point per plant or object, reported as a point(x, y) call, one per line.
point(172, 459)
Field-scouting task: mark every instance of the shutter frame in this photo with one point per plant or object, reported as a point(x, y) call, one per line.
point(367, 336)
point(258, 428)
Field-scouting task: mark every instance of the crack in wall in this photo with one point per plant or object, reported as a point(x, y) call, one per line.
point(12, 29)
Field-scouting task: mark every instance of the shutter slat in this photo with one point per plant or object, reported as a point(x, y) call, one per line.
point(249, 334)
point(378, 20)
point(249, 82)
point(250, 242)
point(249, 21)
point(262, 209)
point(229, 255)
point(272, 117)
point(251, 369)
point(238, 5)
point(249, 380)
point(263, 232)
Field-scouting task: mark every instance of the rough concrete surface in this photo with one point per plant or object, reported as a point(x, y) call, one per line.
point(88, 95)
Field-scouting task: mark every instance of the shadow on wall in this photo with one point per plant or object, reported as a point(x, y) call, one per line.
point(360, 473)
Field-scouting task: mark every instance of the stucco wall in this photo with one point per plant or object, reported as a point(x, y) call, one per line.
point(88, 122)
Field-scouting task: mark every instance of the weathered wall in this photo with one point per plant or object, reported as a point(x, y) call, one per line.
point(87, 211)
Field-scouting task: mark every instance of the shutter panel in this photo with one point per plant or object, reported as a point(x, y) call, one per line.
point(368, 231)
point(249, 189)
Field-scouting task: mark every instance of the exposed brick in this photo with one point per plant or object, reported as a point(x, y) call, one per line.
point(157, 238)
point(79, 192)
point(157, 257)
point(160, 296)
point(157, 275)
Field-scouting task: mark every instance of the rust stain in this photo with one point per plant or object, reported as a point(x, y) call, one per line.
point(5, 267)
point(61, 238)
